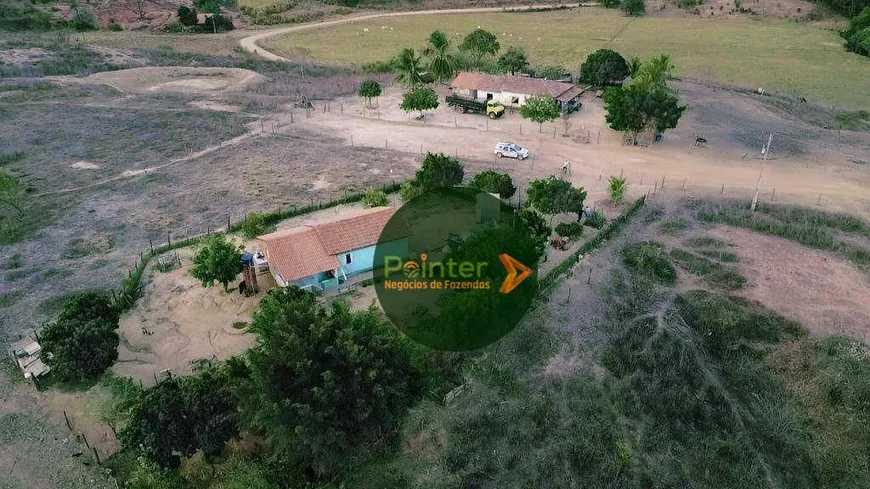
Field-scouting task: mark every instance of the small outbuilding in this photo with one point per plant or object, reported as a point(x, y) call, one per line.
point(27, 353)
point(513, 90)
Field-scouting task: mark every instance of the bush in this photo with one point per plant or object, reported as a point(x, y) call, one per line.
point(116, 27)
point(595, 219)
point(603, 67)
point(649, 258)
point(255, 224)
point(569, 229)
point(375, 198)
point(216, 260)
point(83, 21)
point(495, 183)
point(634, 8)
point(439, 170)
point(410, 190)
point(187, 16)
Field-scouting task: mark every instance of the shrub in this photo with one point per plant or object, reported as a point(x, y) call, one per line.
point(255, 224)
point(80, 348)
point(617, 187)
point(410, 190)
point(569, 229)
point(375, 198)
point(114, 26)
point(439, 170)
point(634, 8)
point(216, 260)
point(649, 258)
point(83, 21)
point(595, 219)
point(495, 183)
point(187, 16)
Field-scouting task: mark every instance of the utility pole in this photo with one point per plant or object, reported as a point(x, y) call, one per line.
point(765, 151)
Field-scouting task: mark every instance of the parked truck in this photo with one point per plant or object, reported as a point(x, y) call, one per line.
point(491, 108)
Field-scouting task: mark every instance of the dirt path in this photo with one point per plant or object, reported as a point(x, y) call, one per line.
point(673, 167)
point(250, 43)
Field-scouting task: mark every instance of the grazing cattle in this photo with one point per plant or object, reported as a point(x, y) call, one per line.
point(701, 142)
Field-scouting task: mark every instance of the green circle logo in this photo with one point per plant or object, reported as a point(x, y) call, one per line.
point(455, 269)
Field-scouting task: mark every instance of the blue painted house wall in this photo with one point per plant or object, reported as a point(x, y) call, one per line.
point(362, 260)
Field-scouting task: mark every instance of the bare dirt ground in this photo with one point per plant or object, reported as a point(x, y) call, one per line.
point(805, 161)
point(178, 321)
point(826, 294)
point(172, 79)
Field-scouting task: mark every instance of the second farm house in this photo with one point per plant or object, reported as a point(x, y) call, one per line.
point(512, 90)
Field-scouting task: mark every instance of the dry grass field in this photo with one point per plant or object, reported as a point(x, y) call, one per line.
point(782, 56)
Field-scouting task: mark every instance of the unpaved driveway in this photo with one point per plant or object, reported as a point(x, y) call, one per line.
point(250, 43)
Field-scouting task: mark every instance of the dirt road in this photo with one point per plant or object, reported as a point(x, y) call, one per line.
point(595, 153)
point(250, 43)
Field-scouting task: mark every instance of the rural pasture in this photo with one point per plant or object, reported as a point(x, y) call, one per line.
point(794, 58)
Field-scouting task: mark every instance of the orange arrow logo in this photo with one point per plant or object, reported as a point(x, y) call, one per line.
point(513, 279)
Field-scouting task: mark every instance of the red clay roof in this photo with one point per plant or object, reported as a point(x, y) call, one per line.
point(307, 250)
point(523, 85)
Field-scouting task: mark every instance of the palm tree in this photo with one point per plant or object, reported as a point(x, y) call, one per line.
point(655, 72)
point(408, 68)
point(442, 64)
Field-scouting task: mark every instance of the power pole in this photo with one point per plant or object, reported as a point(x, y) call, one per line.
point(765, 151)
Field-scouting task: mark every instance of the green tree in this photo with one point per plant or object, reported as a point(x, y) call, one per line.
point(439, 170)
point(857, 34)
point(368, 90)
point(324, 384)
point(217, 260)
point(552, 72)
point(655, 73)
point(375, 198)
point(495, 183)
point(255, 224)
point(149, 475)
point(214, 7)
point(410, 190)
point(540, 109)
point(419, 99)
point(408, 68)
point(537, 227)
point(634, 8)
point(638, 108)
point(80, 349)
point(554, 195)
point(183, 415)
point(480, 43)
point(442, 64)
point(603, 67)
point(187, 16)
point(617, 187)
point(634, 65)
point(513, 60)
point(90, 305)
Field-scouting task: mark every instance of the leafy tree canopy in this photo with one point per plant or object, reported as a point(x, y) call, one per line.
point(540, 110)
point(375, 198)
point(634, 8)
point(480, 43)
point(636, 109)
point(554, 195)
point(513, 60)
point(603, 67)
point(419, 99)
point(439, 170)
point(408, 67)
point(495, 183)
point(187, 16)
point(181, 416)
point(217, 260)
point(324, 383)
point(537, 227)
point(80, 349)
point(369, 89)
point(442, 64)
point(857, 34)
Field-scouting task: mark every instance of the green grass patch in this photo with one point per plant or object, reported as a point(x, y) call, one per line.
point(8, 299)
point(856, 120)
point(706, 242)
point(650, 259)
point(809, 227)
point(728, 51)
point(713, 273)
point(11, 158)
point(569, 229)
point(673, 227)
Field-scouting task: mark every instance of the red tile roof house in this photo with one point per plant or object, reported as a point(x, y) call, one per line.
point(321, 256)
point(512, 90)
